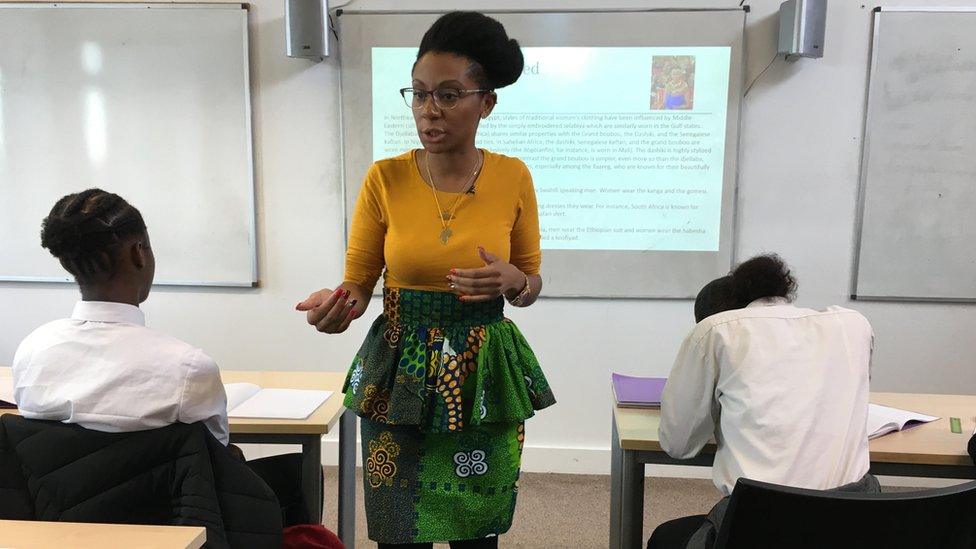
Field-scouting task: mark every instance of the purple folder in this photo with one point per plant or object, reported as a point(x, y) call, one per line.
point(638, 392)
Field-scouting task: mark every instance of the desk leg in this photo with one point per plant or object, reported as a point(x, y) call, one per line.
point(616, 486)
point(347, 479)
point(626, 496)
point(632, 499)
point(312, 476)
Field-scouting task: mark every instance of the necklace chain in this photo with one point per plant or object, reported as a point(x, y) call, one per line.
point(446, 221)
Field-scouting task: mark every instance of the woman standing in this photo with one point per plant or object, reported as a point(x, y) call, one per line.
point(443, 382)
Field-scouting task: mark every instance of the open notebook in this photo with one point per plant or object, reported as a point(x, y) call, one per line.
point(884, 419)
point(7, 392)
point(637, 392)
point(247, 400)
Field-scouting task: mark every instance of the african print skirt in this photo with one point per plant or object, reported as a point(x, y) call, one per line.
point(443, 388)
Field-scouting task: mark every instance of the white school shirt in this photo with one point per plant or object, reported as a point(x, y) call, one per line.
point(104, 370)
point(784, 391)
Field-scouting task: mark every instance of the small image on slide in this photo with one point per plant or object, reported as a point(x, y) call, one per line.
point(672, 82)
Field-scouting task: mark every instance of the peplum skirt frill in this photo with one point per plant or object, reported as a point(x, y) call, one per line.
point(443, 389)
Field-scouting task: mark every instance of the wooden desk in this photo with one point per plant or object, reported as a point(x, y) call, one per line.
point(31, 534)
point(307, 432)
point(930, 450)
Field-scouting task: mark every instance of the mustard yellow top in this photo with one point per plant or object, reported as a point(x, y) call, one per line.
point(396, 224)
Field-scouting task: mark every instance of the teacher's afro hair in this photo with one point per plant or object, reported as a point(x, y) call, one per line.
point(479, 38)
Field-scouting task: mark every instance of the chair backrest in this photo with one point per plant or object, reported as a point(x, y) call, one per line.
point(177, 474)
point(768, 515)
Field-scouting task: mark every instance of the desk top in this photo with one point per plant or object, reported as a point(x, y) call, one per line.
point(29, 534)
point(318, 423)
point(929, 444)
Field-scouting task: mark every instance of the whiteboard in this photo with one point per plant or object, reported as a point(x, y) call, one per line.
point(567, 273)
point(918, 172)
point(149, 101)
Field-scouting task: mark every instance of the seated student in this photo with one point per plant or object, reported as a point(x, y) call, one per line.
point(782, 389)
point(103, 368)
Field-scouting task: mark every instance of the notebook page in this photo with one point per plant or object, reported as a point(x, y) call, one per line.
point(7, 391)
point(281, 404)
point(879, 425)
point(885, 419)
point(237, 393)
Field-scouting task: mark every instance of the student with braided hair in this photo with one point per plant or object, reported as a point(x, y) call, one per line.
point(102, 368)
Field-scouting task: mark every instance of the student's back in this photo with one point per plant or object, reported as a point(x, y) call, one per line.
point(793, 388)
point(783, 389)
point(103, 369)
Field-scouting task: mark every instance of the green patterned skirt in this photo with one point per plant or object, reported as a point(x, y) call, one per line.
point(443, 389)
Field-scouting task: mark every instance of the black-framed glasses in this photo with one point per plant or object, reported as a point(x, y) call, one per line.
point(444, 98)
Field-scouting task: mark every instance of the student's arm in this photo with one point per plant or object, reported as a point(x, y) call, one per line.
point(688, 407)
point(203, 396)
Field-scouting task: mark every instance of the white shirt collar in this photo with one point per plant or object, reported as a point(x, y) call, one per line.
point(105, 311)
point(768, 302)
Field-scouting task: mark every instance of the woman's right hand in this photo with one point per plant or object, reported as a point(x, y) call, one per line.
point(331, 311)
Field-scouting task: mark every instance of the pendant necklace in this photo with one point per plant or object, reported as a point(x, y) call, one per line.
point(447, 217)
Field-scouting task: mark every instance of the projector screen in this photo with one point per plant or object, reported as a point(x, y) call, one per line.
point(631, 144)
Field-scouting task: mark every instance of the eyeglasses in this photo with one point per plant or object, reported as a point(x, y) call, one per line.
point(444, 98)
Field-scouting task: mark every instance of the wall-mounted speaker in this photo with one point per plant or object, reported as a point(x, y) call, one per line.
point(801, 27)
point(307, 29)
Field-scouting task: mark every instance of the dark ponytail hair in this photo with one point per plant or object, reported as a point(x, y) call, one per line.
point(762, 276)
point(85, 229)
point(480, 38)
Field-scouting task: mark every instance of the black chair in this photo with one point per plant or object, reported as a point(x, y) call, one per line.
point(768, 515)
point(177, 475)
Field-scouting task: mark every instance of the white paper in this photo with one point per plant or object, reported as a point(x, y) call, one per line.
point(885, 419)
point(237, 393)
point(7, 389)
point(280, 404)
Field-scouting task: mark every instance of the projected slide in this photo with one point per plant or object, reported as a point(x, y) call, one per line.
point(626, 145)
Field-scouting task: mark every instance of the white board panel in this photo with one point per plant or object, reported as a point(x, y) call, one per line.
point(918, 173)
point(150, 101)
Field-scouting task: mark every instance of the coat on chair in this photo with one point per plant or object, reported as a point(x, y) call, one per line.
point(176, 475)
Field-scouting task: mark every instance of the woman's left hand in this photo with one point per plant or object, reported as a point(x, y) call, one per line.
point(496, 278)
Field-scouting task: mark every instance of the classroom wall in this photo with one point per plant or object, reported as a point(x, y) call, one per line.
point(800, 147)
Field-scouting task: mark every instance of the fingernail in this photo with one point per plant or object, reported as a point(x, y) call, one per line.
point(451, 285)
point(453, 271)
point(347, 294)
point(353, 302)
